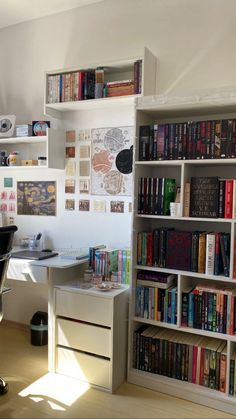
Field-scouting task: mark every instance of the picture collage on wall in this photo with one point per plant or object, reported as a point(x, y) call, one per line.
point(98, 163)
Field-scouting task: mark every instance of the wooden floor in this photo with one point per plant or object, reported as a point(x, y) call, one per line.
point(33, 393)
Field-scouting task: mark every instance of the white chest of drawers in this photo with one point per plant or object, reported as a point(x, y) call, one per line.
point(91, 335)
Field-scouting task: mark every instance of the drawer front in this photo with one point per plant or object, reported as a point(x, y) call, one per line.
point(85, 337)
point(87, 368)
point(17, 269)
point(84, 307)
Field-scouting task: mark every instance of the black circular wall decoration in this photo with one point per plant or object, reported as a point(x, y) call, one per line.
point(124, 160)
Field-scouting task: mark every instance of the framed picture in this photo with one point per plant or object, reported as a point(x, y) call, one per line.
point(36, 198)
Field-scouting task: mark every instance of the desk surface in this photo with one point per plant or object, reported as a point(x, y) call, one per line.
point(55, 262)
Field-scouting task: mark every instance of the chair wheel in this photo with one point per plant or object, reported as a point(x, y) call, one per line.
point(3, 386)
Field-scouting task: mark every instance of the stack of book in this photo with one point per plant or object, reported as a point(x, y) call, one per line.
point(120, 88)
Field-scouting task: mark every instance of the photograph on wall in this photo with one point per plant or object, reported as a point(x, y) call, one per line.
point(111, 161)
point(70, 186)
point(84, 151)
point(8, 182)
point(84, 186)
point(117, 206)
point(99, 205)
point(70, 136)
point(70, 152)
point(84, 205)
point(70, 204)
point(36, 198)
point(84, 168)
point(12, 207)
point(70, 167)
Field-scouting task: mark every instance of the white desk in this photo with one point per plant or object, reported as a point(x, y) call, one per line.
point(53, 271)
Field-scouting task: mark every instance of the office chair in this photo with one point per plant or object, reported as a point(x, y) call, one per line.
point(6, 240)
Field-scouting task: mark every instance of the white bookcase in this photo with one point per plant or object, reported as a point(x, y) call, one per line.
point(114, 71)
point(200, 106)
point(51, 146)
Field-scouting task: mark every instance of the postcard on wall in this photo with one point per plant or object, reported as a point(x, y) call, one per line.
point(12, 195)
point(8, 182)
point(3, 195)
point(36, 198)
point(70, 152)
point(12, 207)
point(70, 136)
point(117, 206)
point(70, 204)
point(84, 151)
point(84, 186)
point(84, 205)
point(111, 161)
point(3, 207)
point(70, 167)
point(70, 186)
point(84, 168)
point(99, 206)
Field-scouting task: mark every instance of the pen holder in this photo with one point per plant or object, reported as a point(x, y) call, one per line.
point(34, 244)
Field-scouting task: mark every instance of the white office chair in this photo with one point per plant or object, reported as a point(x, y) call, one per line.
point(6, 240)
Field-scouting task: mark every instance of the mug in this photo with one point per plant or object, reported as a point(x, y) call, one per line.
point(13, 159)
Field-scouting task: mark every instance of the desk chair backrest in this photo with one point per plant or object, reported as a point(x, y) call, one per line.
point(6, 240)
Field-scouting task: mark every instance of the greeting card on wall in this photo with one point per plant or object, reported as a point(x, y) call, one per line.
point(111, 161)
point(36, 198)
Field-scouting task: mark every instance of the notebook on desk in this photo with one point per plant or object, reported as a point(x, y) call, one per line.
point(75, 254)
point(33, 254)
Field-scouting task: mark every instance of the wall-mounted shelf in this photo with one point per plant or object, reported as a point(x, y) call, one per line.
point(52, 146)
point(113, 71)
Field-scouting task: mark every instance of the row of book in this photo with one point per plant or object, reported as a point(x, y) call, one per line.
point(196, 251)
point(210, 197)
point(110, 263)
point(210, 307)
point(155, 195)
point(155, 303)
point(90, 84)
point(187, 357)
point(188, 140)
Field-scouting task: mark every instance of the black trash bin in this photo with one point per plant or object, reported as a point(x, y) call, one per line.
point(39, 328)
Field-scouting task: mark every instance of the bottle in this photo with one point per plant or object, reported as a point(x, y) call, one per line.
point(42, 161)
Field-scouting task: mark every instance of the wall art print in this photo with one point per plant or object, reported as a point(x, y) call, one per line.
point(36, 198)
point(111, 161)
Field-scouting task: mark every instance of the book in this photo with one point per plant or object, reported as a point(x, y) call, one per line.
point(204, 197)
point(210, 253)
point(144, 139)
point(178, 249)
point(228, 198)
point(187, 199)
point(169, 194)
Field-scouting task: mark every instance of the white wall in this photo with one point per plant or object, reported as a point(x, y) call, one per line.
point(195, 45)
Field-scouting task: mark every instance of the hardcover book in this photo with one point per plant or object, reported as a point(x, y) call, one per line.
point(178, 250)
point(204, 197)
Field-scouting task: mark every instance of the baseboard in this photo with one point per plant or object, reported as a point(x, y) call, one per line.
point(15, 325)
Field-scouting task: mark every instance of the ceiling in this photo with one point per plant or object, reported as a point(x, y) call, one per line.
point(17, 11)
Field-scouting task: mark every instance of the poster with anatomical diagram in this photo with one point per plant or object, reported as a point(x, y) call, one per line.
point(111, 161)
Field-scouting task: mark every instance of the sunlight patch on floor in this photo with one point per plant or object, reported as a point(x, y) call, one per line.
point(57, 390)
